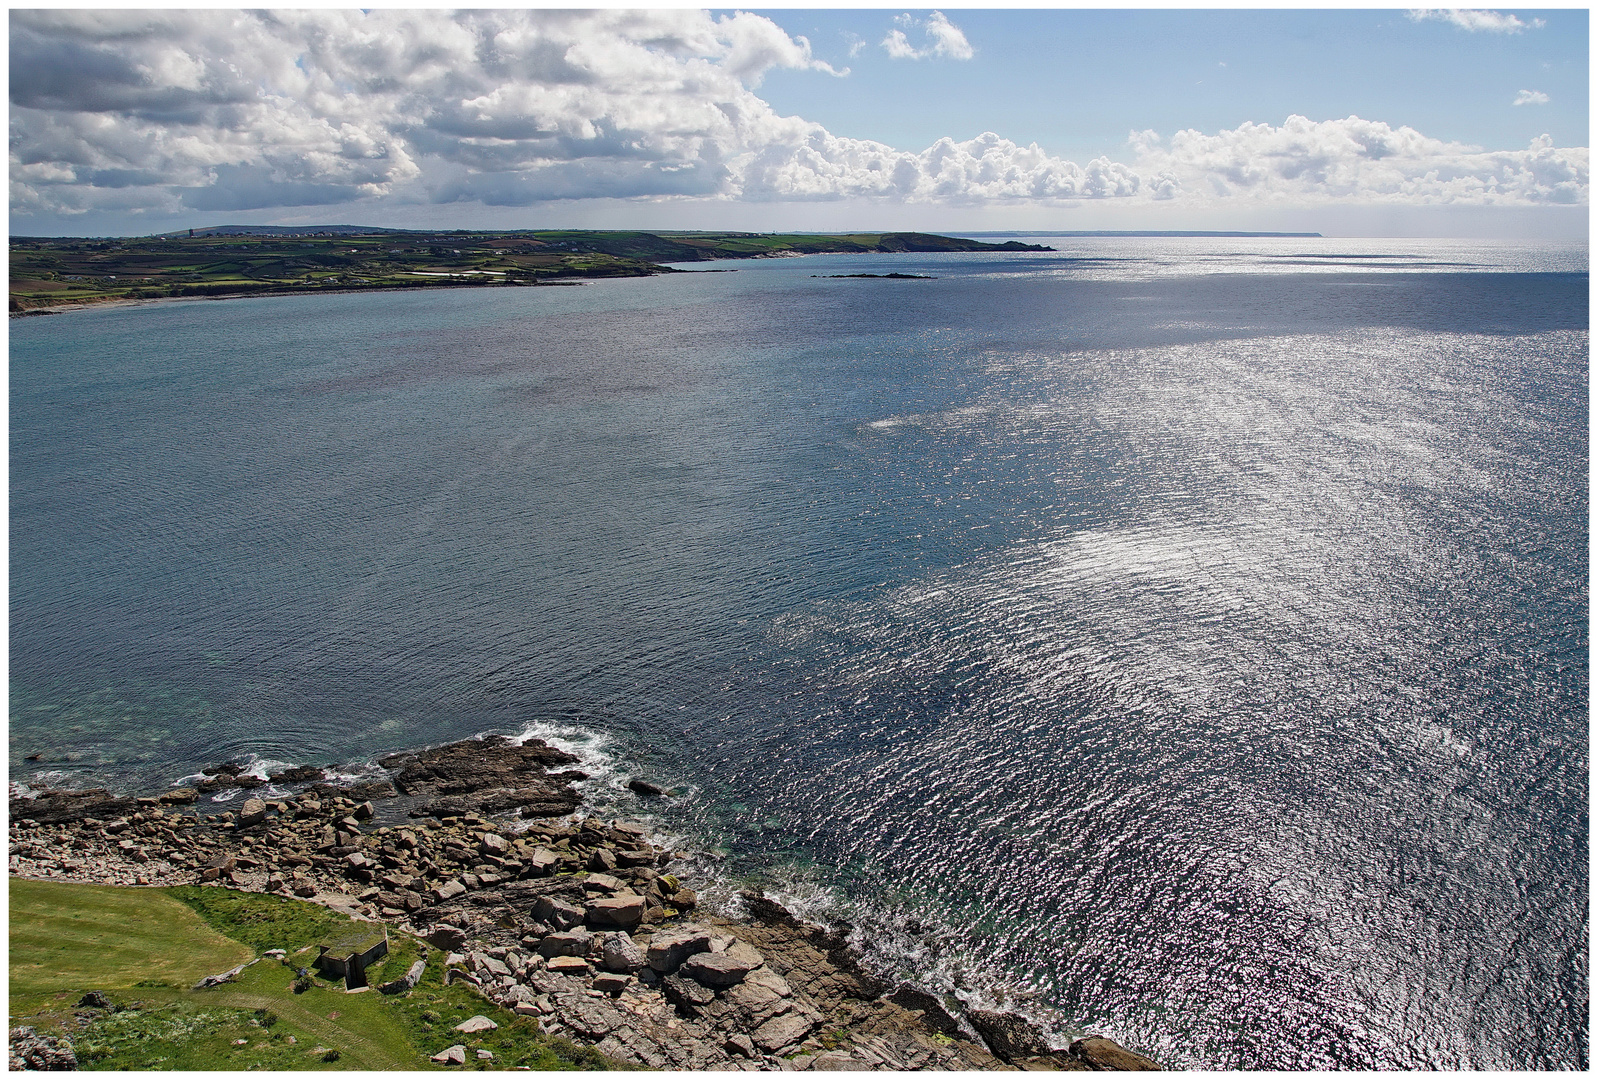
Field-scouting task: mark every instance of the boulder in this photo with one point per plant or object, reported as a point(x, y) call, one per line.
point(667, 951)
point(495, 845)
point(1009, 1036)
point(569, 965)
point(719, 971)
point(475, 1024)
point(566, 943)
point(253, 812)
point(644, 788)
point(620, 955)
point(623, 911)
point(448, 890)
point(455, 1055)
point(603, 883)
point(445, 936)
point(610, 983)
point(686, 993)
point(557, 913)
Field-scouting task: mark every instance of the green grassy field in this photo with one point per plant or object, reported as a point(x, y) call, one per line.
point(51, 271)
point(145, 948)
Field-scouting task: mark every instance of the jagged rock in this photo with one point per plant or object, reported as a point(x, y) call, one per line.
point(448, 890)
point(475, 1024)
point(667, 951)
point(447, 937)
point(542, 861)
point(1106, 1054)
point(719, 971)
point(603, 860)
point(226, 976)
point(686, 993)
point(494, 844)
point(1009, 1036)
point(557, 913)
point(455, 1055)
point(253, 812)
point(300, 774)
point(620, 955)
point(40, 1053)
point(60, 807)
point(933, 1012)
point(95, 1000)
point(568, 965)
point(472, 765)
point(644, 787)
point(740, 1044)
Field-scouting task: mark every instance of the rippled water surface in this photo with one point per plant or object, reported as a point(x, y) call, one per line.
point(1184, 640)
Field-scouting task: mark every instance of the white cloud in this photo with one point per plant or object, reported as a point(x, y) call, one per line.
point(944, 39)
point(1304, 162)
point(1531, 97)
point(165, 112)
point(1476, 20)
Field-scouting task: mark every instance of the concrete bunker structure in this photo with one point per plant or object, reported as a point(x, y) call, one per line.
point(348, 956)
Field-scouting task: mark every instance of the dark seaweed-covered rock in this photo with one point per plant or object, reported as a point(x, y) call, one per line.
point(473, 765)
point(543, 798)
point(60, 807)
point(299, 774)
point(1009, 1036)
point(644, 787)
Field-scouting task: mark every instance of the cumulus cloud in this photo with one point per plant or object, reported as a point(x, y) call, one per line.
point(1531, 97)
point(943, 39)
point(1476, 20)
point(167, 112)
point(1305, 162)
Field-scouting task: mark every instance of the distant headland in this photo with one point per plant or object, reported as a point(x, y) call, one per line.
point(49, 273)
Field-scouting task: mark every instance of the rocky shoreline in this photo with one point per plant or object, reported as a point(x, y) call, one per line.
point(479, 848)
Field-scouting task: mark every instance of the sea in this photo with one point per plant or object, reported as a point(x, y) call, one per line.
point(1179, 639)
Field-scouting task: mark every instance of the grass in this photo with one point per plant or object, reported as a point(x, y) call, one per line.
point(144, 948)
point(89, 937)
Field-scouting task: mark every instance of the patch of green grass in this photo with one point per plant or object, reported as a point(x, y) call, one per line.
point(75, 928)
point(263, 922)
point(91, 937)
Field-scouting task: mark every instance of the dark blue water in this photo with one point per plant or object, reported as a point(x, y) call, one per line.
point(1184, 640)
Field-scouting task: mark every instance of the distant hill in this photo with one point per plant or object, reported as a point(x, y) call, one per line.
point(282, 230)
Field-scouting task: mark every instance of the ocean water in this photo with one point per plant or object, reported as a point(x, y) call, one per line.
point(1184, 640)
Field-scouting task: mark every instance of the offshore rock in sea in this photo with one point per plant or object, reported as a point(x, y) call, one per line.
point(486, 776)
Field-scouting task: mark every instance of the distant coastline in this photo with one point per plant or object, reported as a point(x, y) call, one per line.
point(52, 274)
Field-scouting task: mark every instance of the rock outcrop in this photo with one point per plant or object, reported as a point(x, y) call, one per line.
point(578, 922)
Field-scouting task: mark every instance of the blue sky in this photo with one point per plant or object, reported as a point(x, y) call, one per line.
point(1077, 81)
point(1349, 122)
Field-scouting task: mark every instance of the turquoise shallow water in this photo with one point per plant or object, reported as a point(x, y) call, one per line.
point(1180, 639)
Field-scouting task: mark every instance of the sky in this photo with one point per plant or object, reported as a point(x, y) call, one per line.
point(1425, 122)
